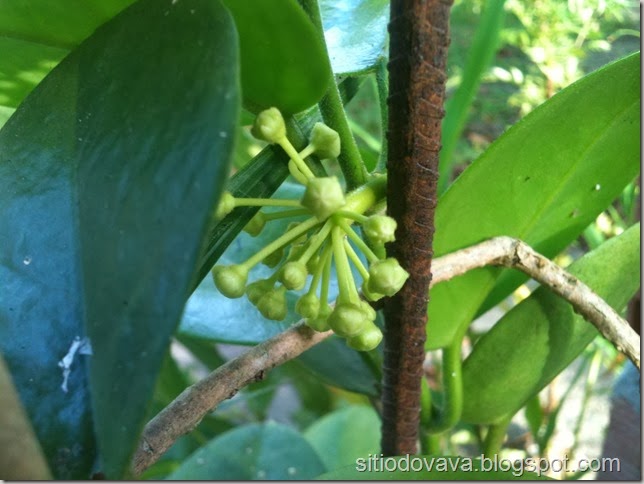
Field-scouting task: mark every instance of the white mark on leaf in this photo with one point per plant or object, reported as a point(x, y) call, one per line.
point(80, 346)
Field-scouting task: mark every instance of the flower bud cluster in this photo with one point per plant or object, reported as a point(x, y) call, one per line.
point(307, 251)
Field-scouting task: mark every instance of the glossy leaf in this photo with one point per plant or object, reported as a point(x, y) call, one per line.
point(355, 32)
point(345, 435)
point(283, 61)
point(34, 39)
point(543, 181)
point(253, 452)
point(109, 171)
point(433, 468)
point(283, 67)
point(538, 338)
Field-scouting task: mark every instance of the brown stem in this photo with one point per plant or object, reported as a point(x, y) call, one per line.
point(187, 410)
point(509, 252)
point(419, 40)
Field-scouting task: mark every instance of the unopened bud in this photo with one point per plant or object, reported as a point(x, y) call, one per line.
point(323, 196)
point(226, 205)
point(325, 140)
point(293, 275)
point(386, 277)
point(380, 228)
point(347, 319)
point(321, 322)
point(308, 306)
point(367, 340)
point(370, 313)
point(370, 295)
point(230, 280)
point(272, 305)
point(255, 290)
point(269, 126)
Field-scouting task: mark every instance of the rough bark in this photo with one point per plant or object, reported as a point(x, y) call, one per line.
point(419, 38)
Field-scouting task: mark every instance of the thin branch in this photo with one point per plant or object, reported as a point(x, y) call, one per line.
point(509, 252)
point(187, 410)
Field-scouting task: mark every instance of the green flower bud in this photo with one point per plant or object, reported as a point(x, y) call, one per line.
point(255, 290)
point(380, 228)
point(255, 224)
point(226, 205)
point(370, 313)
point(325, 140)
point(230, 280)
point(312, 264)
point(293, 275)
point(347, 319)
point(308, 306)
point(367, 340)
point(370, 295)
point(269, 126)
point(321, 322)
point(272, 305)
point(274, 258)
point(386, 277)
point(323, 196)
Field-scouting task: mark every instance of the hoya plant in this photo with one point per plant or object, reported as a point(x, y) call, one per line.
point(178, 174)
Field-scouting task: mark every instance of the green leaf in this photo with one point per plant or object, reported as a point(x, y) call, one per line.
point(481, 52)
point(282, 67)
point(253, 452)
point(538, 338)
point(543, 181)
point(283, 60)
point(355, 33)
point(34, 39)
point(434, 468)
point(109, 171)
point(343, 436)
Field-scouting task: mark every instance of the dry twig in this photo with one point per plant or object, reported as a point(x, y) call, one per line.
point(509, 252)
point(187, 410)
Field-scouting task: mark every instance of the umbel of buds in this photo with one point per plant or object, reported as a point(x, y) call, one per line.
point(324, 238)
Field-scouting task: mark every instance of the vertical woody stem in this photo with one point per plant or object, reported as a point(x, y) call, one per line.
point(419, 40)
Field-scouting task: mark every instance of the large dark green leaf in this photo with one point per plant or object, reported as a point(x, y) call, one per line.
point(108, 174)
point(537, 339)
point(543, 181)
point(254, 452)
point(355, 33)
